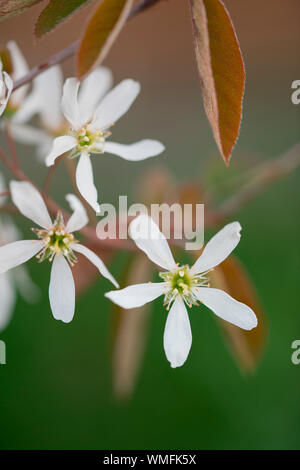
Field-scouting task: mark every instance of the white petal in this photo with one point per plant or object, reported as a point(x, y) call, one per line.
point(147, 236)
point(116, 103)
point(28, 290)
point(62, 290)
point(30, 203)
point(79, 218)
point(90, 255)
point(8, 299)
point(227, 308)
point(19, 64)
point(20, 68)
point(17, 253)
point(69, 103)
point(6, 86)
point(60, 145)
point(30, 135)
point(137, 151)
point(136, 295)
point(218, 248)
point(85, 181)
point(40, 100)
point(92, 90)
point(177, 335)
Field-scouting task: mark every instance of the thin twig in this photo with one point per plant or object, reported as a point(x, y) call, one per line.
point(263, 175)
point(11, 144)
point(69, 51)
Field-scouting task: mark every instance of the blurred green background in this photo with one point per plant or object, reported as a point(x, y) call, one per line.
point(56, 390)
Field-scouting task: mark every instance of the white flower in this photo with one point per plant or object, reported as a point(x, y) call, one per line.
point(183, 285)
point(91, 116)
point(56, 243)
point(6, 86)
point(19, 69)
point(19, 280)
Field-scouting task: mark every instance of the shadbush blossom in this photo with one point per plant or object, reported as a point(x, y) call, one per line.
point(183, 285)
point(91, 117)
point(56, 243)
point(18, 281)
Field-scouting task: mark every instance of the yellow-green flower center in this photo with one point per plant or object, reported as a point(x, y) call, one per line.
point(181, 282)
point(89, 141)
point(56, 242)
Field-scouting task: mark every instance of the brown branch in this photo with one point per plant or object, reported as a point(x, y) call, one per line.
point(69, 51)
point(264, 175)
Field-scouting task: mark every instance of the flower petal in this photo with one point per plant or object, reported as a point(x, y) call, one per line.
point(218, 248)
point(93, 258)
point(178, 334)
point(116, 103)
point(227, 308)
point(79, 218)
point(92, 90)
point(48, 105)
point(20, 68)
point(135, 152)
point(8, 299)
point(24, 284)
point(60, 145)
point(30, 135)
point(147, 236)
point(6, 86)
point(30, 203)
point(85, 181)
point(69, 103)
point(136, 295)
point(62, 290)
point(17, 253)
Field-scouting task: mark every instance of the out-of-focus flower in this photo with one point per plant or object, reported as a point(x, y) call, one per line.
point(6, 86)
point(18, 67)
point(57, 244)
point(183, 285)
point(91, 116)
point(43, 100)
point(16, 281)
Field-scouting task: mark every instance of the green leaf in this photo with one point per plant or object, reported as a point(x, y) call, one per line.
point(100, 33)
point(14, 7)
point(221, 70)
point(55, 12)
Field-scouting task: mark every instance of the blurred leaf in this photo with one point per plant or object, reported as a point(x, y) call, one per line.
point(130, 332)
point(54, 13)
point(5, 57)
point(221, 70)
point(246, 346)
point(100, 33)
point(14, 7)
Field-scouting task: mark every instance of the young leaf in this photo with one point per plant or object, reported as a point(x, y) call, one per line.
point(14, 7)
point(221, 70)
point(54, 13)
point(246, 346)
point(100, 33)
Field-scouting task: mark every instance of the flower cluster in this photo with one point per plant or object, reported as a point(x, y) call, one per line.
point(77, 121)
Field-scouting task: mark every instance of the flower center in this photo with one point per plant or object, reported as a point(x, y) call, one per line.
point(56, 242)
point(181, 282)
point(90, 141)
